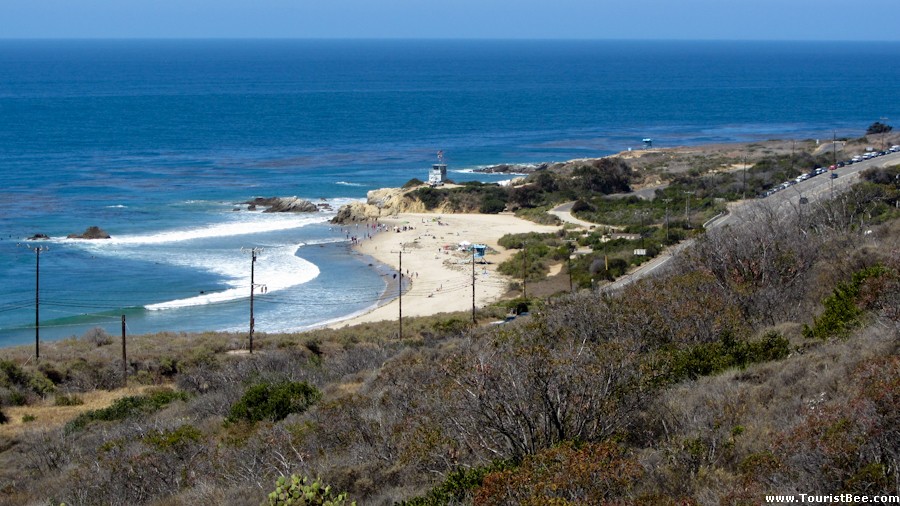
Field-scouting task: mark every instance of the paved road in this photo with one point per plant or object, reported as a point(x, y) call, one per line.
point(784, 202)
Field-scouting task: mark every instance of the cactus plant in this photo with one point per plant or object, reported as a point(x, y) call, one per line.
point(300, 491)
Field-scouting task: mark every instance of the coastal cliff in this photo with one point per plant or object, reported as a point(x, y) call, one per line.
point(381, 202)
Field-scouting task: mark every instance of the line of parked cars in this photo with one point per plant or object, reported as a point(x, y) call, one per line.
point(821, 170)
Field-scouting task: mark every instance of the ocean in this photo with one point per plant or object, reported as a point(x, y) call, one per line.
point(157, 141)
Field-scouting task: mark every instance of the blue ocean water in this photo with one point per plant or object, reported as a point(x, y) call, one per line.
point(155, 141)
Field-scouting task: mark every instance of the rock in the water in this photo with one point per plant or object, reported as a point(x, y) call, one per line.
point(282, 205)
point(93, 232)
point(38, 237)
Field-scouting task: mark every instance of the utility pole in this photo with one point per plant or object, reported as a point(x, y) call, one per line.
point(37, 299)
point(569, 268)
point(792, 156)
point(834, 149)
point(744, 165)
point(473, 284)
point(884, 120)
point(667, 219)
point(124, 359)
point(641, 231)
point(834, 160)
point(524, 271)
point(253, 253)
point(400, 291)
point(687, 208)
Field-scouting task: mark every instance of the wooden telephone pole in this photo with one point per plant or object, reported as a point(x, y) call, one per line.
point(253, 254)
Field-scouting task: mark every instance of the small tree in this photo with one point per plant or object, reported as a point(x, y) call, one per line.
point(878, 128)
point(299, 491)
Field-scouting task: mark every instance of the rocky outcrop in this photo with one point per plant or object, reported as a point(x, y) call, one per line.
point(282, 205)
point(379, 203)
point(39, 237)
point(93, 232)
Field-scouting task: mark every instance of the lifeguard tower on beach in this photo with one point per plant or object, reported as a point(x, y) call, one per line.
point(438, 174)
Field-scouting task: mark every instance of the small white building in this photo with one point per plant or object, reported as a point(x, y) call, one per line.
point(438, 174)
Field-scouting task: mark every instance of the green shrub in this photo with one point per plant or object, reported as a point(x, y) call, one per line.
point(412, 183)
point(842, 313)
point(3, 417)
point(450, 327)
point(457, 486)
point(11, 374)
point(28, 418)
point(492, 205)
point(127, 407)
point(710, 358)
point(299, 491)
point(68, 400)
point(430, 197)
point(273, 401)
point(174, 439)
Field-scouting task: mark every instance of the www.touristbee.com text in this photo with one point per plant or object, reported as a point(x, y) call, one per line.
point(833, 498)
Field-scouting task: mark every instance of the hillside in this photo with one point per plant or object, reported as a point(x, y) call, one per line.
point(763, 360)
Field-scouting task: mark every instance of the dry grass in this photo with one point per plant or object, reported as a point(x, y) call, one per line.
point(48, 416)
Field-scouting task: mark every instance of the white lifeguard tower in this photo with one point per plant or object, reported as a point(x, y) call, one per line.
point(438, 174)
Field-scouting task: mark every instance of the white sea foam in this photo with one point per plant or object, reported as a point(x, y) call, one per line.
point(277, 269)
point(117, 206)
point(248, 224)
point(477, 170)
point(346, 183)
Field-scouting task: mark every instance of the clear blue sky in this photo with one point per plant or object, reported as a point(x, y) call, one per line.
point(504, 19)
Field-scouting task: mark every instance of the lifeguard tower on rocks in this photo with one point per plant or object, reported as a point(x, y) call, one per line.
point(438, 174)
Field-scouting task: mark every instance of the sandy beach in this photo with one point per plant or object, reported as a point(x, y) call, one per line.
point(439, 274)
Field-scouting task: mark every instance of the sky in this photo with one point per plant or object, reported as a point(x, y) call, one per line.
point(453, 19)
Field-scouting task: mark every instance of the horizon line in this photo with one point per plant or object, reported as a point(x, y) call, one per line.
point(447, 39)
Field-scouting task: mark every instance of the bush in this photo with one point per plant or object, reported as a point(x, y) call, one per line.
point(412, 183)
point(127, 407)
point(841, 310)
point(3, 417)
point(430, 197)
point(595, 473)
point(492, 205)
point(581, 205)
point(273, 401)
point(458, 486)
point(711, 358)
point(11, 374)
point(878, 128)
point(300, 492)
point(98, 337)
point(68, 400)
